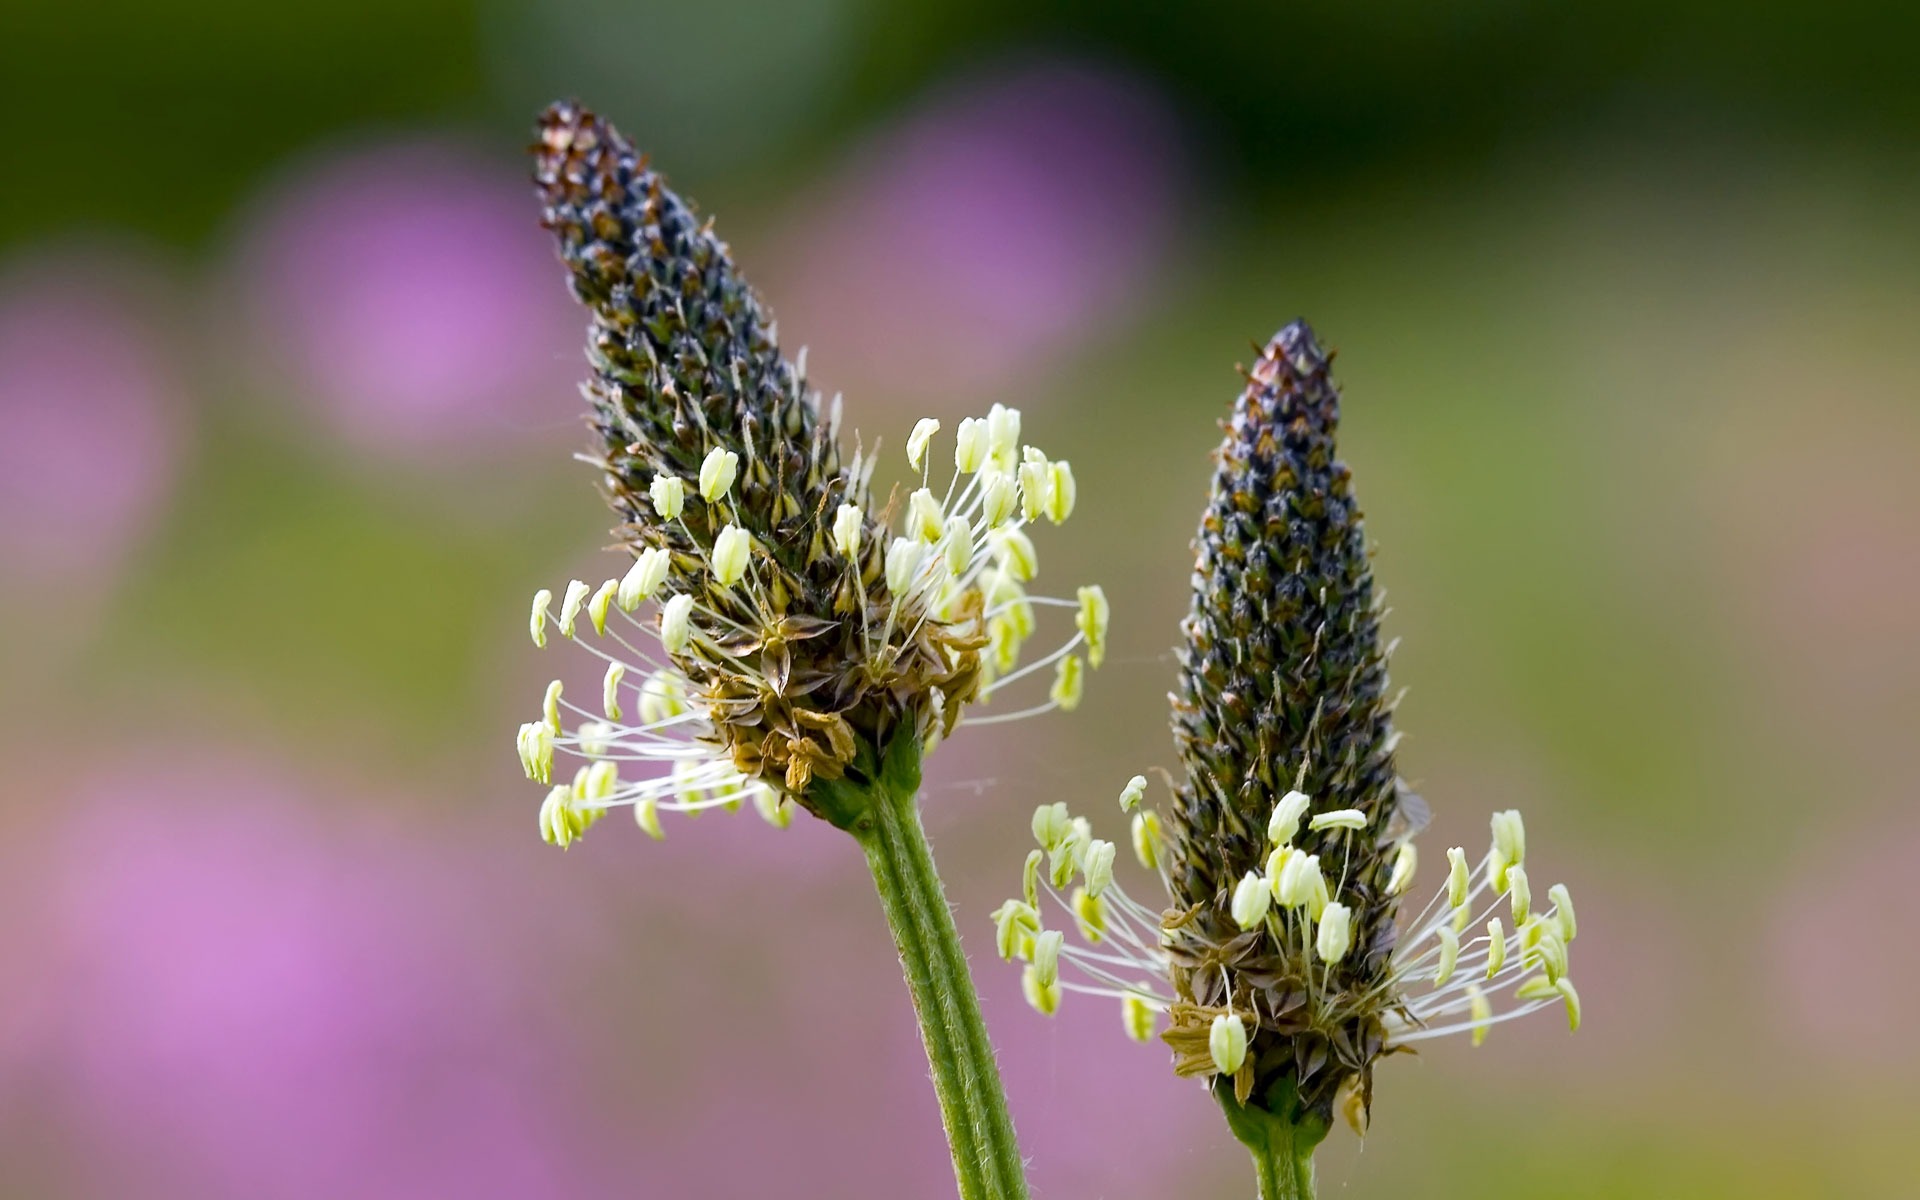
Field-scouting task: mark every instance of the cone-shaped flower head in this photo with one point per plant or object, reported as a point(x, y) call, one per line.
point(792, 634)
point(1290, 838)
point(1283, 690)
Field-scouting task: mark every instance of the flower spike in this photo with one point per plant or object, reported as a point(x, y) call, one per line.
point(1283, 963)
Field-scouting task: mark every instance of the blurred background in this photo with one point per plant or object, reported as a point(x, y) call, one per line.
point(1624, 296)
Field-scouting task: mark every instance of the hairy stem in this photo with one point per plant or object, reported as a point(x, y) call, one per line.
point(884, 818)
point(1280, 1137)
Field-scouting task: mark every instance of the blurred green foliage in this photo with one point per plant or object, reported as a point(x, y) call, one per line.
point(156, 116)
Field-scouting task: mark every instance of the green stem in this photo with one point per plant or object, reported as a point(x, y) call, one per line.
point(884, 818)
point(1280, 1137)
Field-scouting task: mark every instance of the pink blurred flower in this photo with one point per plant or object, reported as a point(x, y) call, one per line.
point(89, 418)
point(224, 995)
point(840, 1107)
point(1835, 964)
point(999, 225)
point(408, 291)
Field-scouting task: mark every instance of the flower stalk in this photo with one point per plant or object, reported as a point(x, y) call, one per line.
point(883, 816)
point(1281, 1138)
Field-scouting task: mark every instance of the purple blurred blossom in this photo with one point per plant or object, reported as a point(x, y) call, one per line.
point(999, 225)
point(90, 417)
point(225, 995)
point(409, 291)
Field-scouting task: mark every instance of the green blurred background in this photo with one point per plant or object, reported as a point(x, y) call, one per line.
point(1623, 296)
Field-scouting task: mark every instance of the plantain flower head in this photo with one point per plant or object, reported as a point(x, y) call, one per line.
point(1279, 968)
point(773, 628)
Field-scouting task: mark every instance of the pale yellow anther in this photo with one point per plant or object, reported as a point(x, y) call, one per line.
point(597, 607)
point(1285, 819)
point(603, 779)
point(1536, 987)
point(643, 578)
point(1035, 483)
point(957, 545)
point(717, 473)
point(537, 619)
point(1013, 923)
point(1010, 601)
point(1068, 681)
point(1046, 955)
point(1335, 937)
point(1563, 910)
point(1277, 867)
point(1480, 1011)
point(1003, 642)
point(1052, 824)
point(925, 520)
point(662, 697)
point(596, 737)
point(1146, 839)
point(732, 551)
point(556, 817)
point(1251, 898)
point(1044, 997)
point(1449, 956)
point(610, 690)
point(1091, 913)
point(1227, 1043)
point(1062, 491)
point(923, 431)
point(1572, 998)
point(1496, 947)
point(904, 559)
point(550, 708)
point(1014, 551)
point(669, 495)
point(1091, 620)
point(570, 607)
point(1509, 846)
point(1458, 879)
point(689, 783)
point(676, 624)
point(646, 814)
point(535, 743)
point(999, 497)
point(970, 445)
point(1030, 877)
point(1064, 859)
point(1097, 866)
point(1339, 818)
point(1405, 863)
point(1549, 954)
point(1519, 892)
point(775, 809)
point(1301, 884)
point(1003, 435)
point(1133, 793)
point(1138, 1016)
point(847, 522)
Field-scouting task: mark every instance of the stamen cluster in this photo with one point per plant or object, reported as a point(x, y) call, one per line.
point(773, 629)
